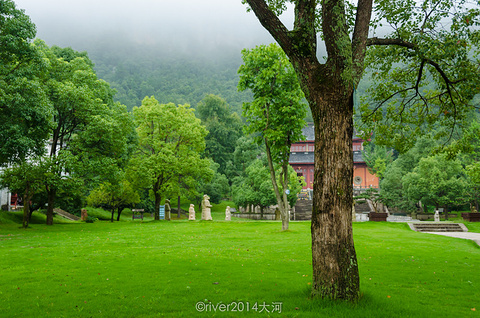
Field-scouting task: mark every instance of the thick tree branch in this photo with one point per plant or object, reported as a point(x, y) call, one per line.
point(360, 36)
point(271, 23)
point(304, 34)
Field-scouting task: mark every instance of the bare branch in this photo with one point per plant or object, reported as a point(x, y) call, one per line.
point(397, 42)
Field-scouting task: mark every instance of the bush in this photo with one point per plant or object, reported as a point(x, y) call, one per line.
point(91, 219)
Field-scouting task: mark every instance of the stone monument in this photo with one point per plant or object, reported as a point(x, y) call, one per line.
point(206, 211)
point(437, 216)
point(191, 213)
point(278, 215)
point(84, 214)
point(168, 209)
point(228, 214)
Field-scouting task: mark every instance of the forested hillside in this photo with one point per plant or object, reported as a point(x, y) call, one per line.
point(136, 72)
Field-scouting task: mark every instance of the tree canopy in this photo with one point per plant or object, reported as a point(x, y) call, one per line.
point(25, 111)
point(171, 141)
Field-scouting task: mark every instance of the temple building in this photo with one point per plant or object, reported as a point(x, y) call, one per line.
point(302, 161)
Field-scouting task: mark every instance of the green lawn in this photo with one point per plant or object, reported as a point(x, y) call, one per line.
point(154, 269)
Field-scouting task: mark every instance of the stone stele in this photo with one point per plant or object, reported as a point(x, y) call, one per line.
point(228, 214)
point(206, 211)
point(168, 210)
point(191, 213)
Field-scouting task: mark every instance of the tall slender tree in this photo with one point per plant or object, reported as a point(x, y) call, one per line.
point(276, 113)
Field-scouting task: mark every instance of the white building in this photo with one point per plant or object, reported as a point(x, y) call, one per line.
point(5, 198)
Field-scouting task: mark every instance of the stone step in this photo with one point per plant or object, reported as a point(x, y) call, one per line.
point(303, 216)
point(66, 215)
point(438, 227)
point(362, 207)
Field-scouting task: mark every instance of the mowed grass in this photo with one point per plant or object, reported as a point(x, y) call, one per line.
point(155, 269)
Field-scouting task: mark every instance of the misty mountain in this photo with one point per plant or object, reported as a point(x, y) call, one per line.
point(139, 71)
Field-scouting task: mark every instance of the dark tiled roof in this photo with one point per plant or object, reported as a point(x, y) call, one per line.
point(309, 133)
point(301, 157)
point(308, 157)
point(357, 156)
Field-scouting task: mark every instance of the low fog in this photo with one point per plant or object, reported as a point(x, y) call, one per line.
point(168, 26)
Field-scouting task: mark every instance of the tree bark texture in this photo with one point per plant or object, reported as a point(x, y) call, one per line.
point(158, 199)
point(51, 194)
point(26, 208)
point(335, 269)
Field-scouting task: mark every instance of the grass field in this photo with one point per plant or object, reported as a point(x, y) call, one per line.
point(155, 269)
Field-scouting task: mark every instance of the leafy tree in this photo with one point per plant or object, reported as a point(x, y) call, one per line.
point(393, 192)
point(87, 133)
point(115, 197)
point(377, 158)
point(434, 55)
point(171, 140)
point(217, 187)
point(255, 189)
point(467, 149)
point(436, 181)
point(26, 179)
point(276, 113)
point(246, 151)
point(224, 128)
point(25, 113)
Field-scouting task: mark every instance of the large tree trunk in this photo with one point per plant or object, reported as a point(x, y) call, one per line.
point(178, 208)
point(51, 194)
point(119, 211)
point(335, 268)
point(158, 199)
point(26, 208)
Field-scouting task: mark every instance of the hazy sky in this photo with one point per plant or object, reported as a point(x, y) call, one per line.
point(176, 25)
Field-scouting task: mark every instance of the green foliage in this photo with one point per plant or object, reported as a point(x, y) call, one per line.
point(256, 188)
point(436, 181)
point(277, 112)
point(377, 158)
point(224, 129)
point(372, 195)
point(171, 141)
point(276, 115)
point(392, 187)
point(138, 72)
point(427, 75)
point(86, 131)
point(246, 151)
point(25, 112)
point(115, 196)
point(217, 187)
point(91, 219)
